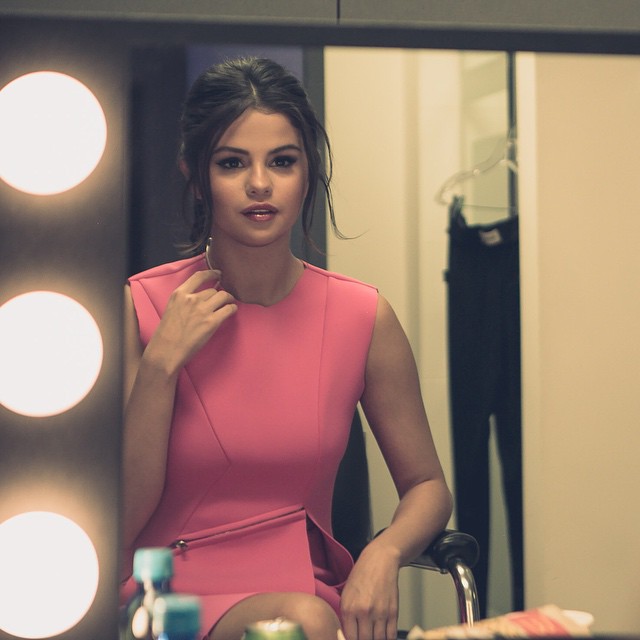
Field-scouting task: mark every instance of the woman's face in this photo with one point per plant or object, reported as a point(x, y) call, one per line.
point(259, 179)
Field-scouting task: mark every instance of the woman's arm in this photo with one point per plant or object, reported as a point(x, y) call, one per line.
point(192, 316)
point(392, 402)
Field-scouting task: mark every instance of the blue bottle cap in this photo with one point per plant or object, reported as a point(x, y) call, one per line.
point(152, 563)
point(176, 616)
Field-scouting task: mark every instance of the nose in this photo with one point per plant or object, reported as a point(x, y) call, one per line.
point(259, 182)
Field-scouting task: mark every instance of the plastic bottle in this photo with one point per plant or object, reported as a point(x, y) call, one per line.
point(152, 570)
point(176, 617)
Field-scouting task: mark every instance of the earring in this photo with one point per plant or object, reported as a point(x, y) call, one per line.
point(206, 253)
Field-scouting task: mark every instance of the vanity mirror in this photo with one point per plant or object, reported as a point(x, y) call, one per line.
point(577, 149)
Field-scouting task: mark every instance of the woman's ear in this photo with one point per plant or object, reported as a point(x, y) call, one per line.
point(184, 169)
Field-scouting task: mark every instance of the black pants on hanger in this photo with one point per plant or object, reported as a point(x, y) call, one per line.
point(484, 376)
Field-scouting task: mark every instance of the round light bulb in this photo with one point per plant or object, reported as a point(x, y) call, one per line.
point(52, 133)
point(48, 574)
point(50, 353)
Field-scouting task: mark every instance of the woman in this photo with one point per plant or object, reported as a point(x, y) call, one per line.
point(244, 367)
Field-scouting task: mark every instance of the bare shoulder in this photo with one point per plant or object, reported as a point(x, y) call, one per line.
point(385, 315)
point(391, 375)
point(390, 348)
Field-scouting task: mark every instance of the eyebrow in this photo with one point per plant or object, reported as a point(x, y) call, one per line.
point(244, 152)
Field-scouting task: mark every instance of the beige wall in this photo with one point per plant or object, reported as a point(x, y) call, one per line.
point(395, 121)
point(579, 150)
point(579, 153)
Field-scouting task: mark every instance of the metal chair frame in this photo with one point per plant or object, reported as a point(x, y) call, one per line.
point(455, 553)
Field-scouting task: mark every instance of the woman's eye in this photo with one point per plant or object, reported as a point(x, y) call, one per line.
point(284, 161)
point(230, 163)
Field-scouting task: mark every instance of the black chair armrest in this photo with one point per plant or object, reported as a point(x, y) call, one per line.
point(455, 553)
point(448, 547)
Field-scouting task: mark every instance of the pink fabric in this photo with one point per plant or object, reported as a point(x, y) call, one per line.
point(261, 421)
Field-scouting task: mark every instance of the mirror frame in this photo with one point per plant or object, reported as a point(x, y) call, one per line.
point(173, 29)
point(573, 26)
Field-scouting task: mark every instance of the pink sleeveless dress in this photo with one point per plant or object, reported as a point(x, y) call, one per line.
point(261, 420)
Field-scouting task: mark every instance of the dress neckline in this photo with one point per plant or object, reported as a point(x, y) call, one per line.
point(288, 296)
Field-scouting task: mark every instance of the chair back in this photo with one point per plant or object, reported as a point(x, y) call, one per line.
point(351, 509)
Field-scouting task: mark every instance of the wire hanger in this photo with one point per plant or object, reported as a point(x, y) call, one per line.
point(502, 155)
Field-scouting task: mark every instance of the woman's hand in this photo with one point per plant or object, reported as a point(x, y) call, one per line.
point(369, 602)
point(194, 313)
point(192, 316)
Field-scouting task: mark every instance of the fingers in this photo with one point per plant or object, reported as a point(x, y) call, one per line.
point(368, 625)
point(369, 630)
point(196, 286)
point(203, 287)
point(224, 304)
point(372, 619)
point(199, 288)
point(350, 627)
point(200, 279)
point(195, 311)
point(392, 627)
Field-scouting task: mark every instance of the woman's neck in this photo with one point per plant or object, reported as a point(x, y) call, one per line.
point(256, 275)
